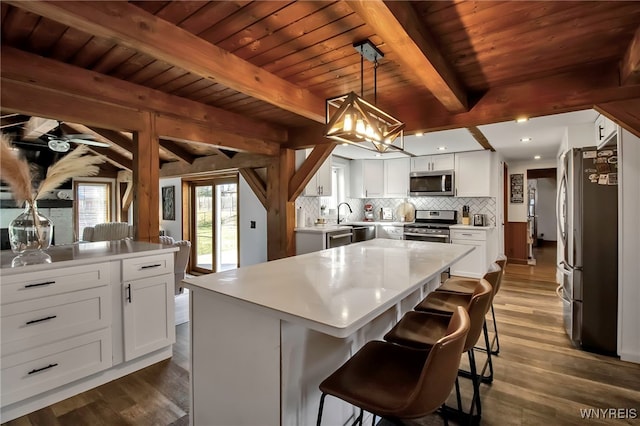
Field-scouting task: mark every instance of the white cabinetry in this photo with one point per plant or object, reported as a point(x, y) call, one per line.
point(476, 263)
point(392, 232)
point(367, 178)
point(320, 183)
point(55, 329)
point(604, 130)
point(473, 174)
point(396, 177)
point(431, 163)
point(148, 288)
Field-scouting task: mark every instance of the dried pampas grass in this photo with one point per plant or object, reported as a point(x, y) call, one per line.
point(74, 164)
point(16, 171)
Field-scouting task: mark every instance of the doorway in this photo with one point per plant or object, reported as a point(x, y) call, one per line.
point(214, 224)
point(542, 223)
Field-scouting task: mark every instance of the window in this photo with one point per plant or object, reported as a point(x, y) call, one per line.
point(338, 190)
point(93, 204)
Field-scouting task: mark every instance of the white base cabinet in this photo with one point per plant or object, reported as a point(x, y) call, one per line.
point(65, 329)
point(476, 263)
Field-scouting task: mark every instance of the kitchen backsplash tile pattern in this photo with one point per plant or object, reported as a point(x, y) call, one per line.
point(484, 205)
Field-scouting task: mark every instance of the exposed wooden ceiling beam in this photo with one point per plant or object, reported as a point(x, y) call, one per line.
point(22, 66)
point(307, 137)
point(38, 126)
point(135, 28)
point(184, 130)
point(113, 157)
point(303, 175)
point(203, 165)
point(178, 151)
point(398, 25)
point(630, 65)
point(480, 138)
point(257, 185)
point(569, 91)
point(114, 137)
point(625, 113)
point(42, 101)
point(12, 120)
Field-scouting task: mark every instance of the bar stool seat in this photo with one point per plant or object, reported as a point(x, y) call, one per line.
point(443, 302)
point(398, 382)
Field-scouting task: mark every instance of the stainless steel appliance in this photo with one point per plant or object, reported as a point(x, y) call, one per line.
point(363, 233)
point(339, 238)
point(431, 183)
point(479, 220)
point(368, 212)
point(431, 225)
point(588, 226)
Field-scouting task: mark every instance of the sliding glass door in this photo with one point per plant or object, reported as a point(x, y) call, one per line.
point(214, 204)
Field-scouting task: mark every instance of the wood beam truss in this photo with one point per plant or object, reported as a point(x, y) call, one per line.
point(257, 185)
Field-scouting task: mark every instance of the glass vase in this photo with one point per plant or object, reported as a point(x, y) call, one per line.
point(30, 232)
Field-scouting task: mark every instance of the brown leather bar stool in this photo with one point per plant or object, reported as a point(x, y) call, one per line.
point(421, 330)
point(466, 285)
point(397, 382)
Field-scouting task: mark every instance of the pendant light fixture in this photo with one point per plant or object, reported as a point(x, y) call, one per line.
point(350, 119)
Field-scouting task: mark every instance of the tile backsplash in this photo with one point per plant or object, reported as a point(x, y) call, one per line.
point(477, 205)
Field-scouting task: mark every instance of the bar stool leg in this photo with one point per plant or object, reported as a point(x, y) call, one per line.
point(373, 421)
point(495, 329)
point(358, 421)
point(489, 378)
point(475, 400)
point(320, 409)
point(458, 397)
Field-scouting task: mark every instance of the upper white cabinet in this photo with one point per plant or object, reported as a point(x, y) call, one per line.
point(473, 174)
point(367, 178)
point(396, 177)
point(604, 129)
point(430, 163)
point(320, 183)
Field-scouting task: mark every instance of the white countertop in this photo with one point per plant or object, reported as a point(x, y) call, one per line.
point(471, 227)
point(335, 291)
point(83, 253)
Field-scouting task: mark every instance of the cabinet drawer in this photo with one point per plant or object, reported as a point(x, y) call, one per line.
point(16, 288)
point(39, 321)
point(468, 234)
point(147, 266)
point(40, 369)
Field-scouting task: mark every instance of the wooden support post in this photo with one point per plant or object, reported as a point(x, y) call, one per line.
point(146, 182)
point(280, 211)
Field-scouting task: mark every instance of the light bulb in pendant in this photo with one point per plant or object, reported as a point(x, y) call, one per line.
point(348, 123)
point(360, 129)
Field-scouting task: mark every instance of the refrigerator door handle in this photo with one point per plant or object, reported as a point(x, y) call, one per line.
point(566, 268)
point(560, 294)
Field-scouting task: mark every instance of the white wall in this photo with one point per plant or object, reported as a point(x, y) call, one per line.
point(253, 241)
point(546, 208)
point(172, 228)
point(518, 212)
point(628, 247)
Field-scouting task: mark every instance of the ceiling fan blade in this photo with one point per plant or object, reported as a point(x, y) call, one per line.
point(85, 136)
point(89, 142)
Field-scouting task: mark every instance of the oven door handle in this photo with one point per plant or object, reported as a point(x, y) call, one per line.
point(415, 234)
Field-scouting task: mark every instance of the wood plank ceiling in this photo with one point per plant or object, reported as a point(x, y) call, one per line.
point(447, 64)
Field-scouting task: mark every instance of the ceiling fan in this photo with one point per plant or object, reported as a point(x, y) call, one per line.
point(58, 141)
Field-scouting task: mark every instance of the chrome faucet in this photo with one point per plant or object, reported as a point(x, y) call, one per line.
point(338, 210)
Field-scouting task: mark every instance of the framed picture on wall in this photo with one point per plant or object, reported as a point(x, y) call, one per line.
point(517, 188)
point(168, 203)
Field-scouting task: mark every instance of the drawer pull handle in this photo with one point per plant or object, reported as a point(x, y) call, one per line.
point(151, 266)
point(129, 293)
point(39, 284)
point(41, 319)
point(468, 235)
point(37, 370)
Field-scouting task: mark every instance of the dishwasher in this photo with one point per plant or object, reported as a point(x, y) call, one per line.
point(363, 233)
point(339, 238)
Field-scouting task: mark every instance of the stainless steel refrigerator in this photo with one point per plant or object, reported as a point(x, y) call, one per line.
point(588, 226)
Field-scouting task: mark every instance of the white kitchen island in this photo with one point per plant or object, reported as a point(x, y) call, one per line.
point(264, 337)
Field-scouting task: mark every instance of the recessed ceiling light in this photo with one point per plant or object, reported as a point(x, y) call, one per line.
point(419, 134)
point(522, 120)
point(537, 157)
point(378, 155)
point(525, 139)
point(442, 148)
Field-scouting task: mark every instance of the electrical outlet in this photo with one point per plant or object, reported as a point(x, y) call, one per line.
point(253, 224)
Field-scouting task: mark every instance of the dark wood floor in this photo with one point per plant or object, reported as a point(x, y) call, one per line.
point(540, 379)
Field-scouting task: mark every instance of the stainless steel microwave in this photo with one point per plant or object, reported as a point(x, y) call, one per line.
point(438, 183)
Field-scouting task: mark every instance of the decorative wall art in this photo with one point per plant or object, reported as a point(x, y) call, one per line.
point(517, 188)
point(168, 203)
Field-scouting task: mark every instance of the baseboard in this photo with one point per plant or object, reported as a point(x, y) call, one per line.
point(630, 357)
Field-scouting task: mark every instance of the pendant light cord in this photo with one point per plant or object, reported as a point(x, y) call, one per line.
point(375, 82)
point(361, 76)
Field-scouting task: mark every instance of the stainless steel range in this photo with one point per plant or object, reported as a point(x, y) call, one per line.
point(431, 225)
